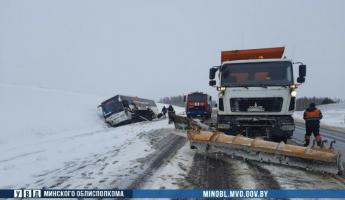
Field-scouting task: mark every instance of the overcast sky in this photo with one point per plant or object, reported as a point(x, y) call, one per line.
point(157, 48)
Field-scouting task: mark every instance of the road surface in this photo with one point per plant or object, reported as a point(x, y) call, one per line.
point(224, 172)
point(326, 133)
point(208, 172)
point(162, 158)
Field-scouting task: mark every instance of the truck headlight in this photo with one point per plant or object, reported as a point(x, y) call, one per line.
point(293, 86)
point(293, 93)
point(222, 89)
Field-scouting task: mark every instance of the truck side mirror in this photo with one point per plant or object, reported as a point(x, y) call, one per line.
point(302, 73)
point(300, 80)
point(302, 70)
point(212, 82)
point(184, 98)
point(213, 71)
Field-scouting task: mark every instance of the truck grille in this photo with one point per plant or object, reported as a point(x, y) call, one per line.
point(269, 104)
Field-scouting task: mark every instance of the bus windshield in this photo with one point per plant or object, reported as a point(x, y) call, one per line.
point(111, 107)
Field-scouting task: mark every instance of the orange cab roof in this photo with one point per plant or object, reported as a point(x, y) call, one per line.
point(248, 54)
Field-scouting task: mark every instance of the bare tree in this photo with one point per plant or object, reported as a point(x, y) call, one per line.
point(174, 100)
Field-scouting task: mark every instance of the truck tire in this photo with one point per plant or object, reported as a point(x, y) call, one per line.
point(284, 139)
point(289, 134)
point(283, 136)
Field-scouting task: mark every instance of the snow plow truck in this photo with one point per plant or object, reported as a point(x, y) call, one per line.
point(257, 95)
point(121, 110)
point(256, 92)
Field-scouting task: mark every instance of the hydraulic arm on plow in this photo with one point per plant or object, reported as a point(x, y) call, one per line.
point(209, 141)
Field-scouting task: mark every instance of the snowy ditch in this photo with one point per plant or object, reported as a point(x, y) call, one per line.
point(62, 142)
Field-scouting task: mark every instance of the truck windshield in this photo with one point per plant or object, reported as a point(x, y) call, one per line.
point(257, 74)
point(197, 97)
point(111, 107)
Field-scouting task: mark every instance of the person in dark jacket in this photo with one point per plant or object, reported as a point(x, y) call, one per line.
point(312, 117)
point(164, 111)
point(171, 113)
point(171, 108)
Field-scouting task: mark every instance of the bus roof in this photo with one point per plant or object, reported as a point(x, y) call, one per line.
point(131, 99)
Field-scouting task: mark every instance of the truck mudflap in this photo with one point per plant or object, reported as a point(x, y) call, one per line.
point(310, 158)
point(211, 142)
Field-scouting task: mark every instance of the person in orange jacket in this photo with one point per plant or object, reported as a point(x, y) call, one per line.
point(312, 117)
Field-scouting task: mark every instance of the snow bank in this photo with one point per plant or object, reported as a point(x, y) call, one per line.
point(58, 139)
point(333, 114)
point(31, 113)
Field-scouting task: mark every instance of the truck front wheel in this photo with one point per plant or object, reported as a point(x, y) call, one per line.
point(281, 136)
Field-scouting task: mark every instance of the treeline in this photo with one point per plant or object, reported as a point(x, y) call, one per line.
point(303, 102)
point(174, 100)
point(177, 100)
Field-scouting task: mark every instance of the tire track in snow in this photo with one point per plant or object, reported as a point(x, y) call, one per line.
point(209, 172)
point(90, 171)
point(21, 155)
point(264, 178)
point(221, 172)
point(294, 178)
point(165, 150)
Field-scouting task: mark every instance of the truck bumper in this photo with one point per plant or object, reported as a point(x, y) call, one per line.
point(198, 113)
point(279, 124)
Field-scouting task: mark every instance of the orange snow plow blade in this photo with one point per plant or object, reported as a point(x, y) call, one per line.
point(248, 54)
point(207, 140)
point(316, 159)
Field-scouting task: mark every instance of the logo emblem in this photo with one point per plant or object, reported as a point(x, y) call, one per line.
point(255, 108)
